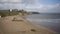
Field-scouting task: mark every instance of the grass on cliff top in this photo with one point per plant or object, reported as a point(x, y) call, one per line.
point(4, 13)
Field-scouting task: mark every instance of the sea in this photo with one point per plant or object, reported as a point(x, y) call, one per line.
point(50, 21)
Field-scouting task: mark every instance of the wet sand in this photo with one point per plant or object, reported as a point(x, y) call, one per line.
point(19, 25)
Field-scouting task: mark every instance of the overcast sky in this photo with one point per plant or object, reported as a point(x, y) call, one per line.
point(43, 6)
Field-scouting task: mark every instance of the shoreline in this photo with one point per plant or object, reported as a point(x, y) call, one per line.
point(43, 27)
point(21, 25)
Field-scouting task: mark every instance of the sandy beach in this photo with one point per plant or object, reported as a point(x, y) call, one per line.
point(19, 25)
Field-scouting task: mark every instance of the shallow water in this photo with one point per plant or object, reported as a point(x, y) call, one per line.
point(51, 21)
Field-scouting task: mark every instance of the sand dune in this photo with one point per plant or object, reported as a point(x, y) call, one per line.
point(19, 25)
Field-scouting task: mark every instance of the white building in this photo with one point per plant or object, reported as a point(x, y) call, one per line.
point(0, 16)
point(10, 10)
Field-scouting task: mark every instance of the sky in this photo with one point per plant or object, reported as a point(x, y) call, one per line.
point(42, 6)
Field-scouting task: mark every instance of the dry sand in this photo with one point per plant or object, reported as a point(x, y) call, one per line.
point(19, 25)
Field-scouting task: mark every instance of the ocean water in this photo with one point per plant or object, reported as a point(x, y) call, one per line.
point(50, 21)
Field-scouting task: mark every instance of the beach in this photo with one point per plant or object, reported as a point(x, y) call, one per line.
point(19, 25)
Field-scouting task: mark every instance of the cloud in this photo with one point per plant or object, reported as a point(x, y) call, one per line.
point(44, 8)
point(10, 0)
point(11, 6)
point(23, 1)
point(30, 5)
